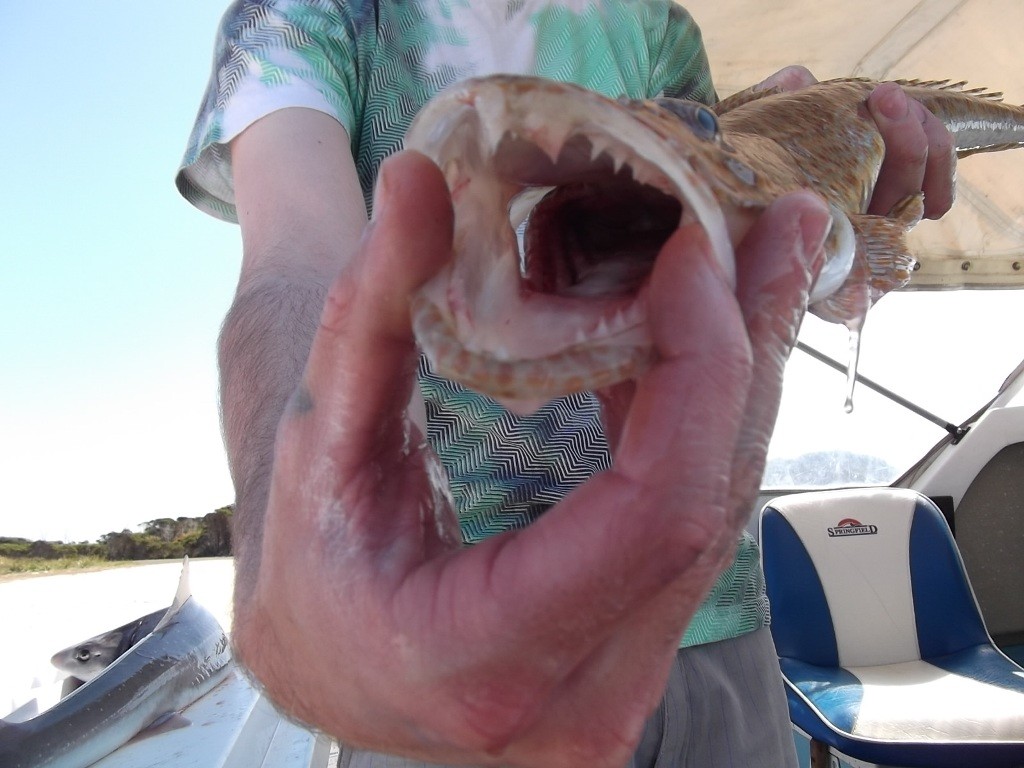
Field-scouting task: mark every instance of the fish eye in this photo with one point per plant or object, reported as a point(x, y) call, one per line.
point(702, 120)
point(83, 655)
point(707, 119)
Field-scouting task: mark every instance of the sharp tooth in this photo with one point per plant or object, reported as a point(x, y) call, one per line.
point(618, 158)
point(550, 138)
point(597, 146)
point(651, 176)
point(551, 148)
point(489, 134)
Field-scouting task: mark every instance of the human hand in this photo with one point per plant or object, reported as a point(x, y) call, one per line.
point(547, 646)
point(920, 153)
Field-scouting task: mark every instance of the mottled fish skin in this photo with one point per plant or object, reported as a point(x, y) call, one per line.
point(88, 658)
point(185, 656)
point(823, 132)
point(604, 183)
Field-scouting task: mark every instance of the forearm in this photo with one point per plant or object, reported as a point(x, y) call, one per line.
point(263, 347)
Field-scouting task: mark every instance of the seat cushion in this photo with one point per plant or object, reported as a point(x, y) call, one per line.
point(963, 709)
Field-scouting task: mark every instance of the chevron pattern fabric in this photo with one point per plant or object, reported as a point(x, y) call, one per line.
point(372, 65)
point(504, 470)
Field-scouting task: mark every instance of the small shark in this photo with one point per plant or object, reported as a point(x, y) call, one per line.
point(88, 658)
point(184, 656)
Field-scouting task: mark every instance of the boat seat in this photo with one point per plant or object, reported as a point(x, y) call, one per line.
point(989, 538)
point(883, 650)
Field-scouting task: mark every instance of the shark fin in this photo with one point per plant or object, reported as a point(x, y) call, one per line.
point(184, 593)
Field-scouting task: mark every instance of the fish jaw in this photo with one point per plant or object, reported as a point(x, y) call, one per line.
point(511, 147)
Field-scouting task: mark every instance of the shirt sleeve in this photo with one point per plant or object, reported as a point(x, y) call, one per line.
point(680, 69)
point(269, 55)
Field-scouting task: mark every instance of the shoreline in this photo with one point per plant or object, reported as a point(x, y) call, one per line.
point(20, 575)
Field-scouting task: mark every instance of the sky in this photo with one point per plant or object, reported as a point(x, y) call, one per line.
point(113, 287)
point(113, 290)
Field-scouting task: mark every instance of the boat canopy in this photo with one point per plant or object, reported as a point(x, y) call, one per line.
point(980, 243)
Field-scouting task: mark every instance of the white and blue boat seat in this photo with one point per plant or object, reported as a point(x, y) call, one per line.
point(882, 646)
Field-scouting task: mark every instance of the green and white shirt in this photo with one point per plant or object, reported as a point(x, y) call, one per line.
point(372, 64)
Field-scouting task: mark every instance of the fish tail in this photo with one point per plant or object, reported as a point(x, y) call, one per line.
point(978, 119)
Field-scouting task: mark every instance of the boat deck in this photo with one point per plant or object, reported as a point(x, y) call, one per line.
point(234, 725)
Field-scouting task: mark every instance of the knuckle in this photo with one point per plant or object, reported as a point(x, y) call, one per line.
point(338, 306)
point(796, 76)
point(494, 713)
point(907, 147)
point(941, 141)
point(790, 78)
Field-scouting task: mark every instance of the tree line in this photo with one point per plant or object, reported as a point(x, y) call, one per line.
point(163, 539)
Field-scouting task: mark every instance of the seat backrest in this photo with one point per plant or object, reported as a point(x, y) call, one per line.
point(864, 577)
point(990, 540)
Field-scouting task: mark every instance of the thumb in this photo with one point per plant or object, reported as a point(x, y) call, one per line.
point(363, 357)
point(406, 242)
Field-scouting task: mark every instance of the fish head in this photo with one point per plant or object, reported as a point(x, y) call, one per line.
point(562, 200)
point(90, 657)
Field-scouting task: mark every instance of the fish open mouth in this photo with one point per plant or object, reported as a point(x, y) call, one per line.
point(597, 237)
point(594, 193)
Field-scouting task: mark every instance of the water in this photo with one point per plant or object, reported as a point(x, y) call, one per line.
point(855, 325)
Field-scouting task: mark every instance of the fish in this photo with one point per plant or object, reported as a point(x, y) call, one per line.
point(562, 198)
point(88, 658)
point(186, 655)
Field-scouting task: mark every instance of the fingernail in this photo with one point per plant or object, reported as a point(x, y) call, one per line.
point(918, 109)
point(381, 191)
point(815, 224)
point(722, 265)
point(894, 104)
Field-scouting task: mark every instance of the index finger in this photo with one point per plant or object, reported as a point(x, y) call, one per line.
point(939, 185)
point(919, 153)
point(791, 78)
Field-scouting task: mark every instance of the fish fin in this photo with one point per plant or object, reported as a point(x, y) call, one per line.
point(957, 87)
point(70, 685)
point(881, 263)
point(883, 242)
point(24, 712)
point(745, 96)
point(908, 211)
point(968, 151)
point(169, 721)
point(184, 593)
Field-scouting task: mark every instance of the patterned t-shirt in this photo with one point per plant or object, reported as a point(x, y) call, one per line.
point(372, 65)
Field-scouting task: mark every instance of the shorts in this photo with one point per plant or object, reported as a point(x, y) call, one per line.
point(724, 707)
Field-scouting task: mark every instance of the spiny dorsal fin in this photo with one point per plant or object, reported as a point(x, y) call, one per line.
point(745, 96)
point(958, 87)
point(933, 85)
